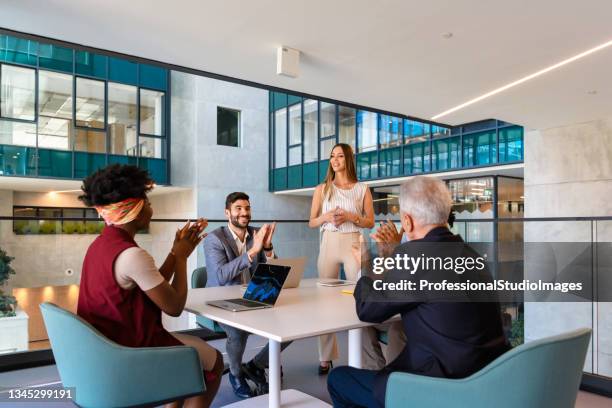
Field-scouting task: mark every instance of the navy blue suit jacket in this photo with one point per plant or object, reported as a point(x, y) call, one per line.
point(443, 339)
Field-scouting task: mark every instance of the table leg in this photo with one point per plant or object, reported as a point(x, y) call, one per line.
point(274, 377)
point(354, 346)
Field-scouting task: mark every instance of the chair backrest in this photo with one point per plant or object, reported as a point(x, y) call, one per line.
point(541, 373)
point(199, 278)
point(105, 373)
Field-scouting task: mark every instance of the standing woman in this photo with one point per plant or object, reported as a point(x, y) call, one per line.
point(122, 292)
point(341, 207)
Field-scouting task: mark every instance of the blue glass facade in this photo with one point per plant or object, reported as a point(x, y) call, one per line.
point(386, 146)
point(65, 112)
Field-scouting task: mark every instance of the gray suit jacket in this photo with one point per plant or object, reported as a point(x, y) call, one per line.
point(222, 260)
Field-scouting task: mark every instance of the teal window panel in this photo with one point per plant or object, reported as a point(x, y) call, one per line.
point(157, 168)
point(445, 154)
point(367, 165)
point(118, 159)
point(416, 158)
point(87, 163)
point(310, 176)
point(120, 70)
point(390, 162)
point(479, 149)
point(280, 179)
point(295, 177)
point(153, 77)
point(54, 163)
point(90, 64)
point(15, 161)
point(19, 50)
point(292, 99)
point(279, 100)
point(54, 57)
point(323, 165)
point(511, 144)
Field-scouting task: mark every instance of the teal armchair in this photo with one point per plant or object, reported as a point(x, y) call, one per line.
point(541, 374)
point(105, 374)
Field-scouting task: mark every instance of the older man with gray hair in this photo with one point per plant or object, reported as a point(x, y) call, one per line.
point(443, 338)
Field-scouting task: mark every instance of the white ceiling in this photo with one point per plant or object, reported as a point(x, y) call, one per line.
point(385, 54)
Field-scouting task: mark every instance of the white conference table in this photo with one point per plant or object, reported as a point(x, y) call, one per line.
point(307, 311)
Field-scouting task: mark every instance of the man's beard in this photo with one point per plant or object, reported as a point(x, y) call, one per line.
point(236, 223)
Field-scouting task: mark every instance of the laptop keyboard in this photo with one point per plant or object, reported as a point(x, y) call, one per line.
point(244, 302)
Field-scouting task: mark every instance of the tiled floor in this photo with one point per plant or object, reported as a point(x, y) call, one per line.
point(299, 366)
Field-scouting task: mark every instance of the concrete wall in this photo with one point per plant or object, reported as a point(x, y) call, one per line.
point(568, 173)
point(215, 171)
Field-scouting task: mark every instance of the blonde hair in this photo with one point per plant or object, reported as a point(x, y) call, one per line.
point(351, 172)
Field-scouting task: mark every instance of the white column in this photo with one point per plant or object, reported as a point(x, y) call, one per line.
point(354, 348)
point(274, 377)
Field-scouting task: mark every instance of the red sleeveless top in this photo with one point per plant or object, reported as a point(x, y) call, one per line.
point(127, 317)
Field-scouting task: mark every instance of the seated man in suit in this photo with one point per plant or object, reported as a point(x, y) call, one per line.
point(444, 338)
point(232, 254)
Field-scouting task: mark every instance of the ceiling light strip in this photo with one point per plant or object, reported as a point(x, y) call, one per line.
point(524, 79)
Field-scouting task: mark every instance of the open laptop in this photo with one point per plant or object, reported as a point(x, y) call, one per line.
point(296, 272)
point(262, 292)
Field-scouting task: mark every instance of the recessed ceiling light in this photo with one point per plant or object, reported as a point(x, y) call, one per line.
point(524, 79)
point(447, 35)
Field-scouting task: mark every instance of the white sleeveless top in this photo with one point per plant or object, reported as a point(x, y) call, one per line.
point(349, 200)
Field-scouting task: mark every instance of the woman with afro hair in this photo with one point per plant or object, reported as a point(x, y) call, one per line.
point(122, 292)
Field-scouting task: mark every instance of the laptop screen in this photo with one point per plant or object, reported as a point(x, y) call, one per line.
point(266, 283)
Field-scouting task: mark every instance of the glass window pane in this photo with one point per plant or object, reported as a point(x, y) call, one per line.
point(151, 147)
point(24, 227)
point(55, 57)
point(295, 124)
point(346, 121)
point(54, 110)
point(366, 131)
point(326, 148)
point(152, 112)
point(472, 198)
point(228, 127)
point(90, 64)
point(17, 133)
point(54, 133)
point(295, 155)
point(439, 131)
point(20, 50)
point(89, 103)
point(413, 128)
point(328, 119)
point(50, 226)
point(15, 160)
point(122, 117)
point(90, 141)
point(280, 138)
point(511, 144)
point(390, 131)
point(17, 87)
point(311, 122)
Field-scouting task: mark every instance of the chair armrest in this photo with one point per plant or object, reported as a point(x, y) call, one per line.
point(133, 376)
point(405, 389)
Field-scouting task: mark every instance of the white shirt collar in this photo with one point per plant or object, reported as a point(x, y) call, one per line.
point(246, 234)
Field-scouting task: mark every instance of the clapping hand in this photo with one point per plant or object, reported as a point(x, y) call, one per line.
point(268, 239)
point(387, 238)
point(187, 238)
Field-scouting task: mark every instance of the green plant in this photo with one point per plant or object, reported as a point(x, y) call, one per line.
point(7, 303)
point(517, 334)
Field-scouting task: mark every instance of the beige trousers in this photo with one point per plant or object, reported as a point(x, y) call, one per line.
point(335, 249)
point(374, 354)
